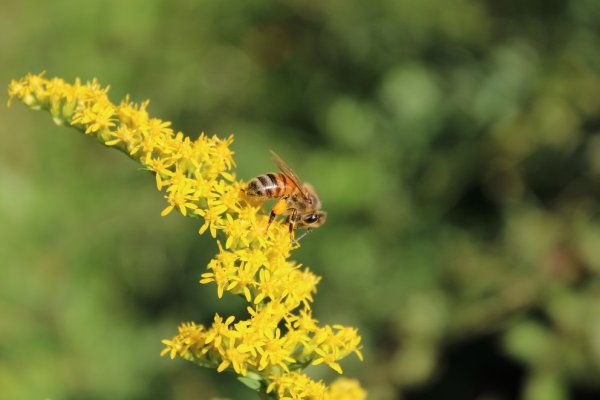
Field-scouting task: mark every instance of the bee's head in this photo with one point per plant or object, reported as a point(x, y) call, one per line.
point(311, 195)
point(313, 220)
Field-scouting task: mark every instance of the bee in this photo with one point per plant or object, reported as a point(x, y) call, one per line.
point(297, 201)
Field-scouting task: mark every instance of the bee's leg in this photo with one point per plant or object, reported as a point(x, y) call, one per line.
point(306, 232)
point(278, 209)
point(291, 220)
point(272, 216)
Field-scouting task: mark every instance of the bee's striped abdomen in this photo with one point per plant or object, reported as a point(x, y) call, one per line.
point(271, 185)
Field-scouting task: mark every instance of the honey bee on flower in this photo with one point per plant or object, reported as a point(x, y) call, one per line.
point(297, 201)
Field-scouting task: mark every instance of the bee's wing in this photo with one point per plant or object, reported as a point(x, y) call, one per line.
point(287, 170)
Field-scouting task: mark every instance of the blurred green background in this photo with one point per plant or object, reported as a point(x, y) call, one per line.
point(455, 145)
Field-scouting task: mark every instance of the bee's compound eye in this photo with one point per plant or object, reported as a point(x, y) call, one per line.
point(311, 219)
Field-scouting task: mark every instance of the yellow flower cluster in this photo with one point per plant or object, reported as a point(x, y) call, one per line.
point(280, 337)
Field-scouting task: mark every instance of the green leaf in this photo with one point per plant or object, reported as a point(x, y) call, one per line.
point(250, 382)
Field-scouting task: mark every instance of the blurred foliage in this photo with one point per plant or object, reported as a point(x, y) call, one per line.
point(455, 145)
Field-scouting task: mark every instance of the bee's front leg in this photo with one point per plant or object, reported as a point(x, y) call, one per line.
point(291, 220)
point(303, 234)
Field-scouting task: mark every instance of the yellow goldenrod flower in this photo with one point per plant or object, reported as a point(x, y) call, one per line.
point(328, 358)
point(347, 389)
point(97, 118)
point(297, 386)
point(197, 179)
point(212, 218)
point(274, 351)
